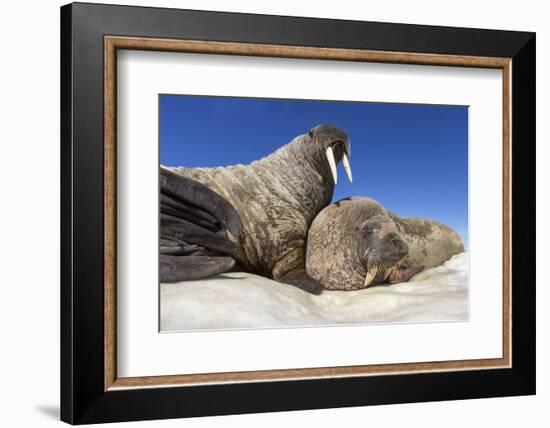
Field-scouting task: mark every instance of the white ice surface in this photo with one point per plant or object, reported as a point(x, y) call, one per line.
point(242, 300)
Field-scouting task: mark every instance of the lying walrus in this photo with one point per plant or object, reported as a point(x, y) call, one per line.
point(355, 243)
point(257, 215)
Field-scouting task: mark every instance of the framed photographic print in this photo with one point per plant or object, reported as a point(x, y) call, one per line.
point(265, 213)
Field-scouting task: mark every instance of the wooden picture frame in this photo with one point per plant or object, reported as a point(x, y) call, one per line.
point(90, 389)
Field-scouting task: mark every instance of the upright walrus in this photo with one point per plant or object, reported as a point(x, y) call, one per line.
point(257, 214)
point(356, 242)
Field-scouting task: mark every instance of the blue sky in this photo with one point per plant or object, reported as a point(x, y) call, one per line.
point(412, 158)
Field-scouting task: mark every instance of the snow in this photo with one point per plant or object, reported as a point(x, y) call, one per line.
point(241, 300)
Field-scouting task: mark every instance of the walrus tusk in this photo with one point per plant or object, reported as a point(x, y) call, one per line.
point(332, 163)
point(347, 167)
point(371, 274)
point(389, 271)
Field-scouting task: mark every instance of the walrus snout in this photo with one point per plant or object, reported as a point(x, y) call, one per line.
point(389, 251)
point(392, 249)
point(385, 249)
point(335, 143)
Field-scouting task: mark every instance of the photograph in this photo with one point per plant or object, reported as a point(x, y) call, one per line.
point(280, 213)
point(264, 211)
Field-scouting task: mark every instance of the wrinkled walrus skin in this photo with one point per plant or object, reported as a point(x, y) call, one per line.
point(277, 198)
point(356, 243)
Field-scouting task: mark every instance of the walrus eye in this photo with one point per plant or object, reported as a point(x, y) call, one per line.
point(367, 229)
point(310, 133)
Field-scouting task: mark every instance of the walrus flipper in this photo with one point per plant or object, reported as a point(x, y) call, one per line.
point(189, 197)
point(403, 274)
point(300, 278)
point(195, 223)
point(177, 268)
